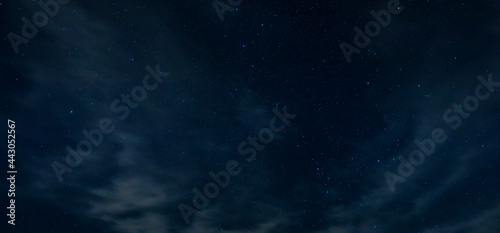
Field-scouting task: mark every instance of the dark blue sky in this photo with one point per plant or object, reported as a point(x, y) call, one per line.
point(403, 138)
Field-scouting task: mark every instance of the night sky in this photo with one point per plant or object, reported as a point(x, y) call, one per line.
point(239, 116)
